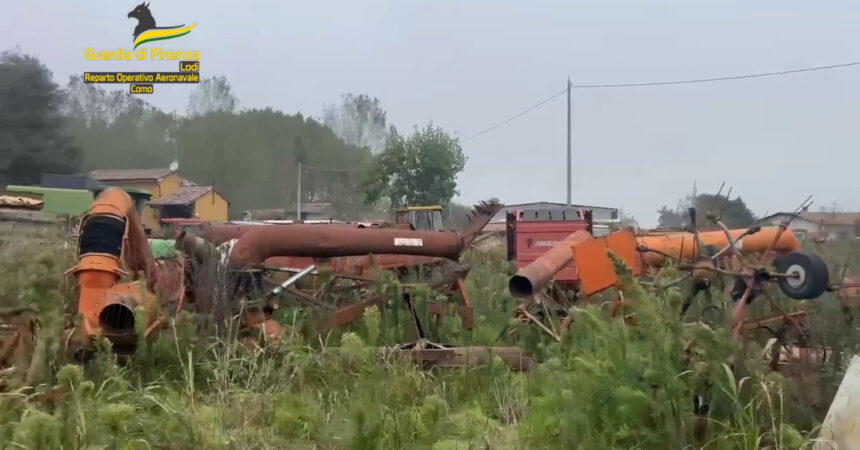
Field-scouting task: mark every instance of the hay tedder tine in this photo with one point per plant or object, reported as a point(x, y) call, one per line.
point(790, 318)
point(739, 314)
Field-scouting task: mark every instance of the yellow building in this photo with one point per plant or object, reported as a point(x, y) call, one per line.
point(173, 196)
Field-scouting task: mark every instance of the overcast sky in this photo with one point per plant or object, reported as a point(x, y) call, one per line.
point(467, 65)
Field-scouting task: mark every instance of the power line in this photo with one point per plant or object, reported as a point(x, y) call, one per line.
point(655, 83)
point(506, 121)
point(708, 80)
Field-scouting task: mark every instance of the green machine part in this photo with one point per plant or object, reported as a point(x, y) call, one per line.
point(163, 248)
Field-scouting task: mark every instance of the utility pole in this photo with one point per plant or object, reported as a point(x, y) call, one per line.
point(568, 140)
point(299, 195)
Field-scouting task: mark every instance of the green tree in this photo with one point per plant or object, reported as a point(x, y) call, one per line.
point(252, 158)
point(671, 218)
point(93, 103)
point(418, 170)
point(212, 94)
point(734, 213)
point(359, 121)
point(456, 215)
point(32, 139)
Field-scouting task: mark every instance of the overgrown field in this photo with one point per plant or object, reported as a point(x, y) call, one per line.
point(607, 385)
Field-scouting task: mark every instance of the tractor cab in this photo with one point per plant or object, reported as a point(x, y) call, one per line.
point(420, 218)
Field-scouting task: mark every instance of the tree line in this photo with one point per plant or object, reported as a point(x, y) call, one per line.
point(733, 212)
point(352, 157)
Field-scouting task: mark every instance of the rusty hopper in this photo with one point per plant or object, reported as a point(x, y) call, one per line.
point(594, 267)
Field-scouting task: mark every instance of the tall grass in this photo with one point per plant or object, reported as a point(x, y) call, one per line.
point(663, 383)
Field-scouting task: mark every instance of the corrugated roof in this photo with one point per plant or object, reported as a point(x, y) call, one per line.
point(66, 181)
point(832, 218)
point(130, 174)
point(823, 217)
point(554, 205)
point(268, 214)
point(311, 208)
point(545, 206)
point(134, 192)
point(182, 196)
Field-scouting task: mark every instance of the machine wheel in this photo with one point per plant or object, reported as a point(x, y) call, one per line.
point(812, 277)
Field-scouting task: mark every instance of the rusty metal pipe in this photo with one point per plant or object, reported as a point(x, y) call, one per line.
point(260, 243)
point(362, 265)
point(533, 277)
point(219, 233)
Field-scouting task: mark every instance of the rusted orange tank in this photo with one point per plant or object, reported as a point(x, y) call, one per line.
point(682, 245)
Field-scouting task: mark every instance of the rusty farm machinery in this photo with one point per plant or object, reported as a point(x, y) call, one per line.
point(251, 271)
point(746, 263)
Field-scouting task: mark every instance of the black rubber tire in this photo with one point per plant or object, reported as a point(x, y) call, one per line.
point(814, 276)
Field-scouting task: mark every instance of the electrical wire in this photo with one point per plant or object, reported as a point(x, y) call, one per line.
point(511, 119)
point(655, 83)
point(708, 80)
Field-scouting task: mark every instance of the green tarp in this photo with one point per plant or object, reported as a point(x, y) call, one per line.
point(72, 202)
point(163, 248)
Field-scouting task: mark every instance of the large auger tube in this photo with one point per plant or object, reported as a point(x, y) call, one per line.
point(256, 244)
point(111, 237)
point(682, 246)
point(530, 279)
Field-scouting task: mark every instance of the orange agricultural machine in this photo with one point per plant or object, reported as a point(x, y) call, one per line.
point(112, 245)
point(753, 258)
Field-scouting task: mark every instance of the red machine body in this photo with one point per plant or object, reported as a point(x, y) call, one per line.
point(532, 233)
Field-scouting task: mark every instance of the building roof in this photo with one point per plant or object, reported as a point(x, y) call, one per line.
point(553, 205)
point(544, 206)
point(832, 218)
point(826, 218)
point(311, 208)
point(267, 214)
point(64, 181)
point(133, 192)
point(130, 174)
point(183, 196)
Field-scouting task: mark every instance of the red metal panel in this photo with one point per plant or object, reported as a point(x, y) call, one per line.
point(534, 238)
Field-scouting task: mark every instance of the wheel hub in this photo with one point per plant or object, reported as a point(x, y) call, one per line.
point(798, 275)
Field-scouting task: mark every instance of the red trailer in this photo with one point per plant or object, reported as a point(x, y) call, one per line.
point(532, 233)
